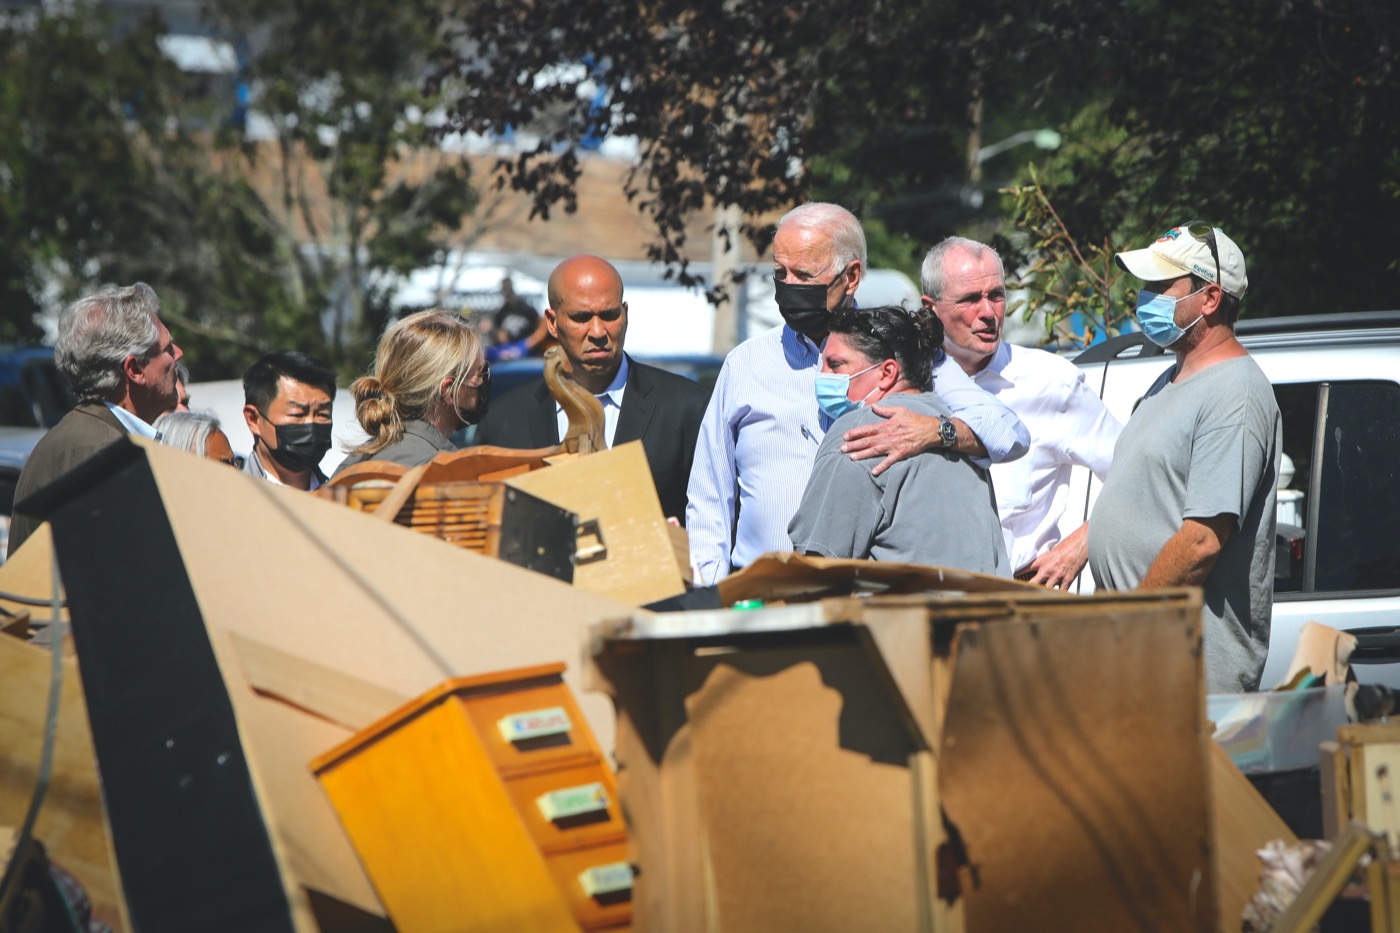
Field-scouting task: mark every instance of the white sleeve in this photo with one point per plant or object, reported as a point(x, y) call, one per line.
point(996, 426)
point(713, 488)
point(1089, 430)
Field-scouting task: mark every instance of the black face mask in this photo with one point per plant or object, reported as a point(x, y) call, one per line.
point(300, 446)
point(803, 306)
point(483, 401)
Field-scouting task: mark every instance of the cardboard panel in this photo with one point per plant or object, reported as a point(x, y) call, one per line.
point(615, 487)
point(1073, 767)
point(656, 783)
point(832, 847)
point(800, 577)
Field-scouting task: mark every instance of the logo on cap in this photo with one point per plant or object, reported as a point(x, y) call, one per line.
point(1171, 234)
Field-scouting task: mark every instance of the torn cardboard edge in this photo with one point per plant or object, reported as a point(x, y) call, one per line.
point(790, 577)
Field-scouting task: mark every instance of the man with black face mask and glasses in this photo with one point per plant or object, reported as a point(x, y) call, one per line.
point(1190, 498)
point(288, 397)
point(763, 425)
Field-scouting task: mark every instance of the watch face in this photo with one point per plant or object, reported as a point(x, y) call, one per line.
point(948, 433)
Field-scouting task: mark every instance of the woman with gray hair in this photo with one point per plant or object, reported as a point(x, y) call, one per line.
point(197, 432)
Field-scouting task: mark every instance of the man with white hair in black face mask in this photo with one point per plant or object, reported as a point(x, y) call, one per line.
point(763, 425)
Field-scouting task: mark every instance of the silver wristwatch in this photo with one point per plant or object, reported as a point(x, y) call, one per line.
point(947, 433)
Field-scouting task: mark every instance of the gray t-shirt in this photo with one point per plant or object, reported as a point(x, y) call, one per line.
point(1206, 446)
point(932, 508)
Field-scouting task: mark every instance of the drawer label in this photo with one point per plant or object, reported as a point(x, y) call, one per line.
point(573, 801)
point(537, 723)
point(606, 879)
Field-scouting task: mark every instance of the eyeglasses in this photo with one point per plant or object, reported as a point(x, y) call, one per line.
point(1204, 232)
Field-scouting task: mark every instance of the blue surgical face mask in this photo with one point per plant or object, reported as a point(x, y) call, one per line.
point(832, 389)
point(1156, 316)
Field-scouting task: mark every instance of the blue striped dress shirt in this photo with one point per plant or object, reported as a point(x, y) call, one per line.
point(761, 433)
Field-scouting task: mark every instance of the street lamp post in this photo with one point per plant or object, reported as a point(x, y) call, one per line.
point(1043, 139)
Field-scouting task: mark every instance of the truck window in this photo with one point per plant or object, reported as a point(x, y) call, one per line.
point(1358, 525)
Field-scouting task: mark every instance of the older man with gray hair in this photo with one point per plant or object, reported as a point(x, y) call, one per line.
point(965, 285)
point(120, 362)
point(763, 424)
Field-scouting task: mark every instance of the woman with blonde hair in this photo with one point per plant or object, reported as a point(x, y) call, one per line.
point(430, 378)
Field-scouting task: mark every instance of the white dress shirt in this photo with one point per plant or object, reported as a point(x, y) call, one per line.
point(1069, 425)
point(611, 400)
point(133, 424)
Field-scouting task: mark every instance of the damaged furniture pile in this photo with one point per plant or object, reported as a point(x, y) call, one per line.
point(397, 706)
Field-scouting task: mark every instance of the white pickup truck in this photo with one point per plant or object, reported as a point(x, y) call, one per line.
point(1337, 380)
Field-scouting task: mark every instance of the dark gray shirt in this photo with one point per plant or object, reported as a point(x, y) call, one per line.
point(420, 443)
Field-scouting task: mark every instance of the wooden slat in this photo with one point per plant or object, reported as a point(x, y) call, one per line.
point(1336, 792)
point(1243, 822)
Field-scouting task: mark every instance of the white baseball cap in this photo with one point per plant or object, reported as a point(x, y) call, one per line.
point(1185, 250)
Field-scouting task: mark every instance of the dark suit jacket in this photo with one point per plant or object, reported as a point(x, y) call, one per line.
point(660, 409)
point(81, 433)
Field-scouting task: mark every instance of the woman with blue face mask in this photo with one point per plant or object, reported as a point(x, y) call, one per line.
point(934, 508)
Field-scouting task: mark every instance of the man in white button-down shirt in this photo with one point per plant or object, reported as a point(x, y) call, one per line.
point(965, 285)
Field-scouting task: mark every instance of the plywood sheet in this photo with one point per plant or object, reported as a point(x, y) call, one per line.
point(344, 700)
point(1073, 766)
point(29, 572)
point(71, 823)
point(1244, 823)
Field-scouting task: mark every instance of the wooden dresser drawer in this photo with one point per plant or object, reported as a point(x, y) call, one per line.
point(550, 729)
point(583, 802)
point(605, 909)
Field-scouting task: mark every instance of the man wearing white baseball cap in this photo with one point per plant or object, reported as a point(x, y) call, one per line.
point(1190, 499)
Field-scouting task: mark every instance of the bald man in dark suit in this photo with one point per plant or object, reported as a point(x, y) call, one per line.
point(588, 317)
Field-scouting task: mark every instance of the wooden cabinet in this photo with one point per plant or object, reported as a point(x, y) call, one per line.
point(488, 518)
point(486, 804)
